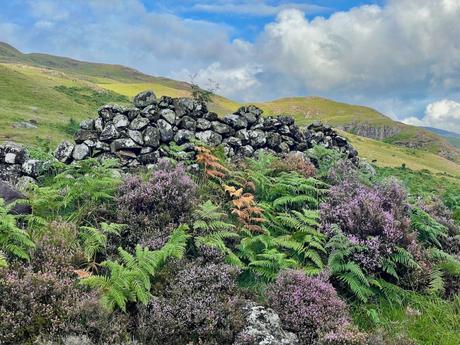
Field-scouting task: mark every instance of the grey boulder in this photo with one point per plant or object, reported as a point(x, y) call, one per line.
point(64, 151)
point(80, 152)
point(209, 138)
point(144, 99)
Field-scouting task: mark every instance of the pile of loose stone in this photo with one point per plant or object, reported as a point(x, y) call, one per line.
point(15, 164)
point(138, 135)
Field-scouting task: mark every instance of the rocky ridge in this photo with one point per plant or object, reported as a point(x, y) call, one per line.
point(138, 135)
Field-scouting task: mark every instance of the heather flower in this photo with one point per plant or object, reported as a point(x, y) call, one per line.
point(375, 218)
point(43, 304)
point(199, 304)
point(152, 208)
point(309, 307)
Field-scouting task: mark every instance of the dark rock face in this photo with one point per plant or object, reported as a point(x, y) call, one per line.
point(136, 135)
point(10, 194)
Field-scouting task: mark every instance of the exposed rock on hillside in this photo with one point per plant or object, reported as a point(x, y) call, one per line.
point(264, 328)
point(138, 135)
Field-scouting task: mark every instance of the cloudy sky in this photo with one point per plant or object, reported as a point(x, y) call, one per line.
point(401, 57)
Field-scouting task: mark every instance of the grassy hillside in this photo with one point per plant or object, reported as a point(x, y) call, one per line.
point(363, 121)
point(50, 91)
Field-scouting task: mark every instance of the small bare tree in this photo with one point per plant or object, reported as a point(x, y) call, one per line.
point(203, 95)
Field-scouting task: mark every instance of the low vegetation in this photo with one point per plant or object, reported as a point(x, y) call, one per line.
point(344, 254)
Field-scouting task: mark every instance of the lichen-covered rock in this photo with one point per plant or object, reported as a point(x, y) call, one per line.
point(152, 136)
point(80, 152)
point(264, 328)
point(12, 153)
point(166, 131)
point(64, 151)
point(236, 121)
point(169, 115)
point(109, 133)
point(144, 99)
point(209, 138)
point(32, 167)
point(139, 123)
point(120, 121)
point(183, 135)
point(87, 124)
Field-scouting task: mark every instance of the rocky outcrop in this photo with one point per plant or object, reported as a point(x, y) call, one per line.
point(371, 131)
point(139, 135)
point(263, 327)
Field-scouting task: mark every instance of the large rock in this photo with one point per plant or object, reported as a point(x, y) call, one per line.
point(152, 136)
point(120, 121)
point(188, 123)
point(125, 144)
point(221, 128)
point(209, 138)
point(87, 124)
point(263, 327)
point(183, 135)
point(166, 131)
point(80, 152)
point(136, 136)
point(10, 194)
point(33, 167)
point(144, 99)
point(109, 133)
point(139, 123)
point(64, 151)
point(258, 138)
point(203, 124)
point(85, 134)
point(12, 153)
point(169, 115)
point(237, 122)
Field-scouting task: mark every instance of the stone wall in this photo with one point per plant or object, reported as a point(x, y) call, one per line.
point(137, 135)
point(16, 164)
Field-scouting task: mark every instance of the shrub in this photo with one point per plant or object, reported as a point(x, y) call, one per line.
point(294, 162)
point(372, 217)
point(152, 208)
point(58, 252)
point(36, 304)
point(77, 191)
point(311, 308)
point(198, 305)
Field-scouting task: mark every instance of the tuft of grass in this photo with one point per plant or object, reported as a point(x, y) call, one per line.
point(424, 319)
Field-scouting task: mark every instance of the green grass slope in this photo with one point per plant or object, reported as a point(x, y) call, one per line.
point(53, 90)
point(363, 121)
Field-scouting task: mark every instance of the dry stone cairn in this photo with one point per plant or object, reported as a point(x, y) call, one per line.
point(140, 135)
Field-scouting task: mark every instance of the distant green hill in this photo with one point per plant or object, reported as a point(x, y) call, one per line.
point(49, 91)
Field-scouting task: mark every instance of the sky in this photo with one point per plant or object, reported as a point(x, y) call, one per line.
point(401, 57)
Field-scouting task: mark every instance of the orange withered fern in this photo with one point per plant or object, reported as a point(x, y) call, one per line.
point(211, 164)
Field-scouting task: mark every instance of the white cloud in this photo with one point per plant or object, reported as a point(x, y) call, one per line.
point(444, 114)
point(407, 48)
point(238, 82)
point(398, 57)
